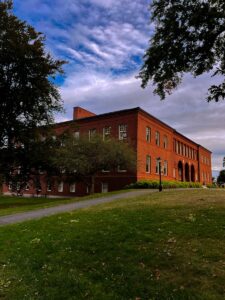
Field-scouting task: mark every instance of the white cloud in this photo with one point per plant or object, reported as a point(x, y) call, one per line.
point(102, 40)
point(186, 110)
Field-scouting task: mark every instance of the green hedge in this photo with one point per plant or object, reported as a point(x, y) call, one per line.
point(154, 184)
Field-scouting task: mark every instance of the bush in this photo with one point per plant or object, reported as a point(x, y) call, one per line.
point(154, 184)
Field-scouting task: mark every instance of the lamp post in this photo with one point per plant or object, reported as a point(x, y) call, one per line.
point(160, 174)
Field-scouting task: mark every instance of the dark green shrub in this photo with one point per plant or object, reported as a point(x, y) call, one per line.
point(154, 184)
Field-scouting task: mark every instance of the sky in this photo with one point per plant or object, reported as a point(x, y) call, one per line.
point(103, 42)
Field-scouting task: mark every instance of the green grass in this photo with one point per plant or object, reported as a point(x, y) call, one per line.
point(165, 246)
point(13, 204)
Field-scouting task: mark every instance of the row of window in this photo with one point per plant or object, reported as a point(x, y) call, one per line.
point(157, 138)
point(106, 132)
point(123, 134)
point(60, 187)
point(164, 166)
point(205, 160)
point(184, 150)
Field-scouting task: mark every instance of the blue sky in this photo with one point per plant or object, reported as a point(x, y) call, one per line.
point(103, 42)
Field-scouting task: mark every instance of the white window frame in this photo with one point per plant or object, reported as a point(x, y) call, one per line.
point(121, 170)
point(73, 187)
point(10, 186)
point(105, 171)
point(122, 132)
point(76, 135)
point(165, 142)
point(157, 166)
point(60, 187)
point(157, 138)
point(148, 164)
point(148, 134)
point(92, 133)
point(165, 168)
point(106, 132)
point(105, 187)
point(49, 186)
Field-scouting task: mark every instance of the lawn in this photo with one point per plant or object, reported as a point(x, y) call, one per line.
point(165, 246)
point(13, 204)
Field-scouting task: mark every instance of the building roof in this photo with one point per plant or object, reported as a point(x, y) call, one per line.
point(130, 110)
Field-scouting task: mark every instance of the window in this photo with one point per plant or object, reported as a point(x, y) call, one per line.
point(148, 164)
point(18, 186)
point(10, 186)
point(104, 187)
point(106, 133)
point(60, 187)
point(177, 147)
point(121, 169)
point(180, 148)
point(148, 134)
point(49, 186)
point(165, 169)
point(184, 149)
point(40, 171)
point(27, 187)
point(157, 166)
point(92, 133)
point(157, 138)
point(122, 132)
point(165, 142)
point(76, 135)
point(73, 187)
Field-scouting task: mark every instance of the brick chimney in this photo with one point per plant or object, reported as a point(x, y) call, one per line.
point(80, 113)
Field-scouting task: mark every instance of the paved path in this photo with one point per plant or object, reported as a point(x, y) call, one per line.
point(37, 214)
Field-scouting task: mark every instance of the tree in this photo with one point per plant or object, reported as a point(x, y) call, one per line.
point(28, 95)
point(82, 160)
point(30, 162)
point(221, 177)
point(189, 37)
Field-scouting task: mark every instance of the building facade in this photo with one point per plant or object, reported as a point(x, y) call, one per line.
point(181, 158)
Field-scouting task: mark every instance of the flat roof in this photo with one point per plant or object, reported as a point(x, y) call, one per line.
point(124, 111)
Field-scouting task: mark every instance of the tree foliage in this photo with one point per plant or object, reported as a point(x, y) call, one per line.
point(188, 37)
point(221, 177)
point(30, 162)
point(28, 95)
point(82, 160)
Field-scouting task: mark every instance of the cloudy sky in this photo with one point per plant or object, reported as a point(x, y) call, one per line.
point(103, 42)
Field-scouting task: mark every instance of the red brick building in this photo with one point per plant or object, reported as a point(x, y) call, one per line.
point(181, 158)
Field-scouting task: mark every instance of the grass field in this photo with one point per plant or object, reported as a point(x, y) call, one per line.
point(13, 204)
point(165, 246)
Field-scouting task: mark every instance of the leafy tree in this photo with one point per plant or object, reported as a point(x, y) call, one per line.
point(29, 162)
point(82, 160)
point(189, 37)
point(28, 95)
point(221, 177)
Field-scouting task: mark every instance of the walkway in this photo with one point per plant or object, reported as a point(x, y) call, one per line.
point(44, 212)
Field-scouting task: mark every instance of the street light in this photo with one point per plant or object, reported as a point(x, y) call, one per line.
point(160, 174)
